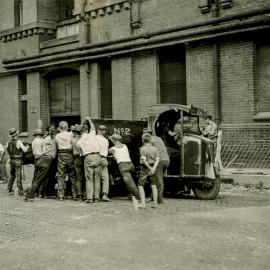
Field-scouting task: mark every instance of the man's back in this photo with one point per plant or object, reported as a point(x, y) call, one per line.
point(160, 145)
point(150, 152)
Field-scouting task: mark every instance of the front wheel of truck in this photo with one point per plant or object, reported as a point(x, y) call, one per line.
point(207, 191)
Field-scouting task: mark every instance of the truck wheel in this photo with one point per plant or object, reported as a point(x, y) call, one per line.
point(207, 191)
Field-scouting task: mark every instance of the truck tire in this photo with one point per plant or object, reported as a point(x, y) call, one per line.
point(207, 191)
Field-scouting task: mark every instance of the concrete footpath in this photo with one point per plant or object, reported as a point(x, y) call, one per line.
point(252, 177)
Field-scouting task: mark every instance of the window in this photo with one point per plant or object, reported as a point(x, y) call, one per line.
point(106, 89)
point(22, 80)
point(18, 8)
point(65, 8)
point(172, 70)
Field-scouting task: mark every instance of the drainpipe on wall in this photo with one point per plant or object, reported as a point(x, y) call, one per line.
point(84, 26)
point(216, 69)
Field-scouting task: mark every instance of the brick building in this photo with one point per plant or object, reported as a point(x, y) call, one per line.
point(65, 59)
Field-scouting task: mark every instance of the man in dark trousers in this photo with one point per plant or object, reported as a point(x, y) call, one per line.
point(15, 148)
point(78, 160)
point(65, 160)
point(42, 165)
point(163, 164)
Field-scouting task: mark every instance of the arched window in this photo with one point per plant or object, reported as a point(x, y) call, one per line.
point(18, 9)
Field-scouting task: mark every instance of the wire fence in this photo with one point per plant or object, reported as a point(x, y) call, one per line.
point(246, 154)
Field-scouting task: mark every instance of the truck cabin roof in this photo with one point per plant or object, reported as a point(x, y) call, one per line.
point(159, 109)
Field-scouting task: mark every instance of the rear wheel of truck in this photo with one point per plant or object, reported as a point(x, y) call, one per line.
point(207, 191)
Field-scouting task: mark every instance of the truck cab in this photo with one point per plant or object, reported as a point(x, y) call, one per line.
point(191, 154)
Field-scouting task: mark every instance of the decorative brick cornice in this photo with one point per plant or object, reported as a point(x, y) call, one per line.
point(36, 28)
point(100, 8)
point(226, 3)
point(117, 7)
point(205, 5)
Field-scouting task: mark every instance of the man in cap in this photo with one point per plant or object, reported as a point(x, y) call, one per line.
point(38, 150)
point(103, 148)
point(15, 148)
point(65, 160)
point(163, 164)
point(210, 130)
point(50, 150)
point(121, 154)
point(89, 149)
point(78, 159)
point(44, 157)
point(149, 160)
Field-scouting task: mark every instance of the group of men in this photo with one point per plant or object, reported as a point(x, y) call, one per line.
point(82, 157)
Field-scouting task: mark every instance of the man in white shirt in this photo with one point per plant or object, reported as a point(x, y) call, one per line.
point(103, 148)
point(38, 144)
point(89, 149)
point(38, 151)
point(126, 167)
point(65, 160)
point(15, 148)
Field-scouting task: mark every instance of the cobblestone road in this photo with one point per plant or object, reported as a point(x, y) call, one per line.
point(231, 232)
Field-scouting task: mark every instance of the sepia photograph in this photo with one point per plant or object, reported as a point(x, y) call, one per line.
point(134, 134)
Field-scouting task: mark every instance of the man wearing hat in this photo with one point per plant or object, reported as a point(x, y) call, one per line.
point(38, 150)
point(44, 157)
point(78, 159)
point(163, 164)
point(126, 167)
point(15, 148)
point(50, 150)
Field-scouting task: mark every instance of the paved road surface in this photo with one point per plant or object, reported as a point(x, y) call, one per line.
point(232, 232)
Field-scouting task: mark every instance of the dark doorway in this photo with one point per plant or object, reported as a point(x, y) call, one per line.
point(64, 96)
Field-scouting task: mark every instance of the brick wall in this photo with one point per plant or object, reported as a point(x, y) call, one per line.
point(85, 90)
point(114, 26)
point(94, 90)
point(199, 77)
point(122, 88)
point(145, 82)
point(9, 105)
point(15, 48)
point(33, 100)
point(262, 79)
point(6, 14)
point(244, 5)
point(237, 82)
point(29, 11)
point(155, 14)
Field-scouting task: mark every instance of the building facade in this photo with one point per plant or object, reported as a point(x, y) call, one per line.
point(111, 59)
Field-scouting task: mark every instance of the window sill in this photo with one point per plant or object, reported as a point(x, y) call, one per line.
point(262, 116)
